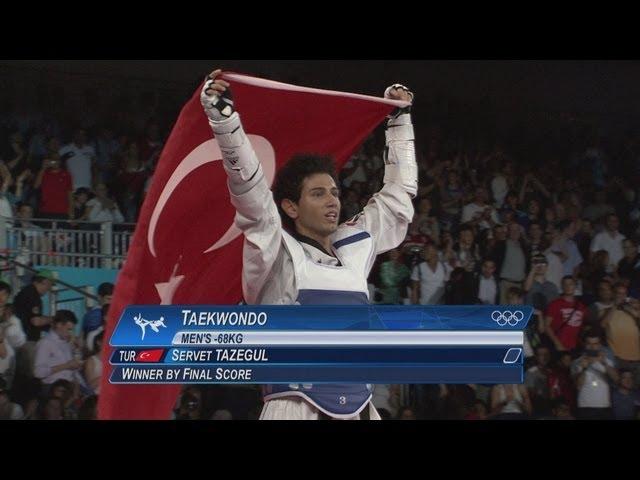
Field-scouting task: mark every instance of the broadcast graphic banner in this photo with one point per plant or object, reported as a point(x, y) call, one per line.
point(319, 344)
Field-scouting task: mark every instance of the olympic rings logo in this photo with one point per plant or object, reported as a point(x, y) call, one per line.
point(507, 317)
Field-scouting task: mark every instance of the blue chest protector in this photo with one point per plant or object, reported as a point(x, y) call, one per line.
point(319, 284)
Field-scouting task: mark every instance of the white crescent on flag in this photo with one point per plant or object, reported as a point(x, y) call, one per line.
point(209, 151)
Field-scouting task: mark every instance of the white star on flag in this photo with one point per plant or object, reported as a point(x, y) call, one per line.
point(166, 290)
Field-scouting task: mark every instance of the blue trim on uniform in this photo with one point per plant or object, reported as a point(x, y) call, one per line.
point(339, 399)
point(352, 239)
point(331, 297)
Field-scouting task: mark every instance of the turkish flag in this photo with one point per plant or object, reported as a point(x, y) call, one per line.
point(149, 356)
point(186, 249)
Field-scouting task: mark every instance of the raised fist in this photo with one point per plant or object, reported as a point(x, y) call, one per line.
point(216, 98)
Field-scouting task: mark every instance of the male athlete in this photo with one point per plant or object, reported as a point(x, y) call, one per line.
point(294, 250)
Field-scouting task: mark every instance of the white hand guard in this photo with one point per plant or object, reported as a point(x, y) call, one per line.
point(400, 155)
point(398, 111)
point(218, 107)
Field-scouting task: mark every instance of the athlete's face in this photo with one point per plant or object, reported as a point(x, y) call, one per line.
point(318, 210)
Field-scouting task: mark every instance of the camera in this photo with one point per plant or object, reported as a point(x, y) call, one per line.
point(415, 254)
point(592, 353)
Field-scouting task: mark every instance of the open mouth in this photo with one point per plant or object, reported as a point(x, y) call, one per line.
point(332, 216)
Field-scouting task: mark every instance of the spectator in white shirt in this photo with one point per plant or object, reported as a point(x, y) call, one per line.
point(103, 208)
point(594, 374)
point(610, 240)
point(56, 354)
point(81, 160)
point(429, 278)
point(487, 289)
point(563, 233)
point(479, 212)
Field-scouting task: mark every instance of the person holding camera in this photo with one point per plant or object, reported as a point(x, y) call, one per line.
point(479, 213)
point(593, 373)
point(622, 328)
point(56, 189)
point(413, 243)
point(466, 251)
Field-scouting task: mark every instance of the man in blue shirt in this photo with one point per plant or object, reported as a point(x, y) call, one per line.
point(93, 319)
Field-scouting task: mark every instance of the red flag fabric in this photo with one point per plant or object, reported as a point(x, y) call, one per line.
point(185, 249)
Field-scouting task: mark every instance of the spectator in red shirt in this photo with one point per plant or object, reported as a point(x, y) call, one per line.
point(565, 317)
point(55, 187)
point(131, 178)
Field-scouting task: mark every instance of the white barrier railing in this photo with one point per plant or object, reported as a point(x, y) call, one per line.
point(62, 243)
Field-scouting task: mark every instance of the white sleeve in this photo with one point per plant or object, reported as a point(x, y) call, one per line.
point(401, 167)
point(386, 217)
point(256, 212)
point(258, 218)
point(238, 157)
point(388, 214)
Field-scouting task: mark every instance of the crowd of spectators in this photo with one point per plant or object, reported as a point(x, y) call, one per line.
point(550, 221)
